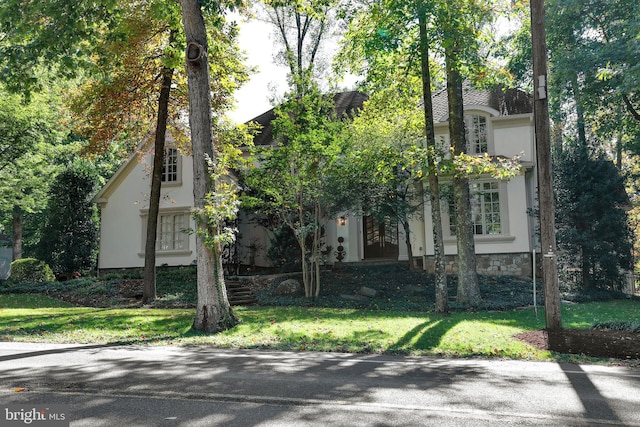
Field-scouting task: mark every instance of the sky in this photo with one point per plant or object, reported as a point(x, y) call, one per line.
point(256, 39)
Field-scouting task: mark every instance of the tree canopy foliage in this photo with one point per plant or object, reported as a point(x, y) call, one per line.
point(595, 62)
point(593, 90)
point(302, 29)
point(32, 151)
point(592, 223)
point(293, 179)
point(55, 35)
point(415, 37)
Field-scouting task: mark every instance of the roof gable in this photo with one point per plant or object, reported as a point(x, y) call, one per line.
point(346, 104)
point(123, 171)
point(505, 101)
point(144, 147)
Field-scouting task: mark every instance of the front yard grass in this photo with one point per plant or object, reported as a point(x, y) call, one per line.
point(37, 318)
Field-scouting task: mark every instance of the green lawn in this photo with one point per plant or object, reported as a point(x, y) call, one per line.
point(486, 334)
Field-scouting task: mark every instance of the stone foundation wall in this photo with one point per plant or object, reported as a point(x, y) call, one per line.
point(516, 264)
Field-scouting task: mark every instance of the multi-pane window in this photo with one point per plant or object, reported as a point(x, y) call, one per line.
point(476, 134)
point(170, 165)
point(485, 209)
point(171, 232)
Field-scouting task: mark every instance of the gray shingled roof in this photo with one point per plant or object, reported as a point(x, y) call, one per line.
point(506, 101)
point(347, 104)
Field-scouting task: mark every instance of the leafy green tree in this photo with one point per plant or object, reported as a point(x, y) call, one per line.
point(60, 35)
point(381, 169)
point(460, 25)
point(141, 87)
point(590, 217)
point(136, 59)
point(29, 140)
point(70, 235)
point(52, 35)
point(383, 36)
point(292, 179)
point(595, 61)
point(593, 70)
point(593, 89)
point(302, 28)
point(388, 34)
point(115, 44)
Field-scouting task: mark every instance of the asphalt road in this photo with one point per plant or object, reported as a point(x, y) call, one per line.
point(200, 386)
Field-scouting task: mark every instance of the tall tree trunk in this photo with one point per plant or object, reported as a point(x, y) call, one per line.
point(307, 275)
point(468, 288)
point(17, 235)
point(582, 132)
point(619, 152)
point(586, 269)
point(316, 248)
point(442, 298)
point(407, 240)
point(634, 112)
point(213, 311)
point(149, 288)
point(557, 137)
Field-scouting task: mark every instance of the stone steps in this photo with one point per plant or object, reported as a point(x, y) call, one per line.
point(239, 294)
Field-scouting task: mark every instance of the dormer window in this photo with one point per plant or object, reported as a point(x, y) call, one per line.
point(476, 134)
point(170, 167)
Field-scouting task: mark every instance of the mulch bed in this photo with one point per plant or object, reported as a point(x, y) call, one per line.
point(591, 342)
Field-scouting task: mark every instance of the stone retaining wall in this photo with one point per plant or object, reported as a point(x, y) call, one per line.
point(516, 264)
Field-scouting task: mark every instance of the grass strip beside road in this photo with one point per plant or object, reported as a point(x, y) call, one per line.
point(485, 334)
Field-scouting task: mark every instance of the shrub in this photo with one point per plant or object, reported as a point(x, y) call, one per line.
point(284, 251)
point(593, 227)
point(31, 270)
point(69, 235)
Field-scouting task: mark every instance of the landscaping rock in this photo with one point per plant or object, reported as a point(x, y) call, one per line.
point(357, 298)
point(288, 287)
point(413, 290)
point(367, 292)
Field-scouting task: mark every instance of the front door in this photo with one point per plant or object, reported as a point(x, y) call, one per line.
point(380, 238)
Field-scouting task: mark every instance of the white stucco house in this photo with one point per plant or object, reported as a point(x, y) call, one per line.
point(499, 123)
point(124, 206)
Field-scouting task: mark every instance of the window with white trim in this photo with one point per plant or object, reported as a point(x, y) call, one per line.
point(485, 208)
point(476, 134)
point(170, 170)
point(172, 235)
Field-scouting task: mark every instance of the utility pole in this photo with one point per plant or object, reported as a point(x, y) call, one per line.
point(543, 156)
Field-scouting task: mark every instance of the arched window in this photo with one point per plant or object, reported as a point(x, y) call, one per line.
point(476, 134)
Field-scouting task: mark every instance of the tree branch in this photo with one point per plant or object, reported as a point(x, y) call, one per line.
point(631, 108)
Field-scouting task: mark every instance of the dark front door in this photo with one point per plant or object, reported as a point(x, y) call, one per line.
point(380, 238)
